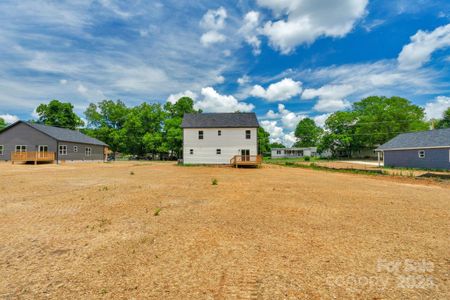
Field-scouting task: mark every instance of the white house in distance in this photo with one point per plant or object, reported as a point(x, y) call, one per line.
point(220, 138)
point(293, 152)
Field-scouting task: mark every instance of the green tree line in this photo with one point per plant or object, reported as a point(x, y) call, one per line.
point(148, 128)
point(154, 128)
point(369, 123)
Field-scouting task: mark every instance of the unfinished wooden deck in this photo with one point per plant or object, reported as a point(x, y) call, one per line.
point(33, 157)
point(246, 160)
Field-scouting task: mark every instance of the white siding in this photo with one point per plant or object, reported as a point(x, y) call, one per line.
point(231, 142)
point(312, 151)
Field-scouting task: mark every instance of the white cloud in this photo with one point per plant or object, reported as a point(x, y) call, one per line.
point(227, 53)
point(280, 91)
point(172, 60)
point(320, 119)
point(328, 91)
point(272, 115)
point(63, 81)
point(436, 108)
point(9, 119)
point(422, 46)
point(276, 132)
point(212, 37)
point(289, 119)
point(277, 123)
point(243, 80)
point(219, 79)
point(330, 97)
point(303, 21)
point(214, 102)
point(331, 105)
point(34, 114)
point(82, 89)
point(289, 139)
point(369, 26)
point(213, 21)
point(249, 31)
point(345, 83)
point(173, 98)
point(277, 135)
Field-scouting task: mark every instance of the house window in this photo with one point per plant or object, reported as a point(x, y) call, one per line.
point(218, 151)
point(248, 134)
point(21, 148)
point(422, 154)
point(219, 132)
point(62, 149)
point(88, 151)
point(191, 152)
point(200, 135)
point(1, 149)
point(75, 149)
point(278, 152)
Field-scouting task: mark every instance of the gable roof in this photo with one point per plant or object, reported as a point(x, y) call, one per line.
point(62, 134)
point(220, 120)
point(415, 140)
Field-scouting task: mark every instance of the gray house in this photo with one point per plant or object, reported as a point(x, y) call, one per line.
point(425, 149)
point(24, 141)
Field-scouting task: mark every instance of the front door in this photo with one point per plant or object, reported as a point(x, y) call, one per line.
point(42, 150)
point(245, 154)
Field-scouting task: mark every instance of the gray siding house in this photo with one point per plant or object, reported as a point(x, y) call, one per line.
point(28, 140)
point(425, 150)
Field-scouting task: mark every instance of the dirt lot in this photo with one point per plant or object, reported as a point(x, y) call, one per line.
point(90, 231)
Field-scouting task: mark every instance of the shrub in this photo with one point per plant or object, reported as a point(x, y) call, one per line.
point(131, 173)
point(214, 181)
point(307, 158)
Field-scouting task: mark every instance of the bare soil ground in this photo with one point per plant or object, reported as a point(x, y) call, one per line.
point(90, 231)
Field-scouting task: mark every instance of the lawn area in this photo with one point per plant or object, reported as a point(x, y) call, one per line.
point(157, 230)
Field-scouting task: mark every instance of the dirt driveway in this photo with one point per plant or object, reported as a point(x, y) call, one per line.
point(153, 230)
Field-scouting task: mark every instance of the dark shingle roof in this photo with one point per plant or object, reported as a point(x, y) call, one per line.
point(66, 135)
point(422, 139)
point(220, 120)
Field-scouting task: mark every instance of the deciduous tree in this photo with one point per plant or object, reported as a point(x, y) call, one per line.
point(307, 133)
point(2, 124)
point(58, 114)
point(445, 121)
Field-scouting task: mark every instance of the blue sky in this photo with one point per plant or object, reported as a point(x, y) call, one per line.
point(283, 59)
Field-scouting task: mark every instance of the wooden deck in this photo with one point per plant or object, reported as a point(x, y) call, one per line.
point(246, 160)
point(33, 157)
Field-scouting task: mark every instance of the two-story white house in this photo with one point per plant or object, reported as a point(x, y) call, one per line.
point(216, 138)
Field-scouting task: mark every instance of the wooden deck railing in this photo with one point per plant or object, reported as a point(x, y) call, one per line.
point(32, 156)
point(246, 160)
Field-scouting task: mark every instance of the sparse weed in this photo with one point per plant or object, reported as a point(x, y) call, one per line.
point(157, 211)
point(214, 181)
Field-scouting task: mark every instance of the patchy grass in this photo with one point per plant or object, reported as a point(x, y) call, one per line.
point(314, 166)
point(280, 161)
point(157, 211)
